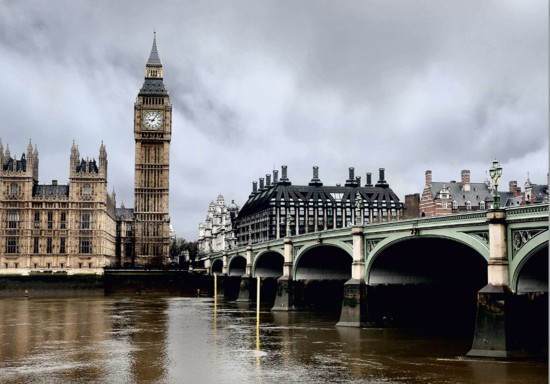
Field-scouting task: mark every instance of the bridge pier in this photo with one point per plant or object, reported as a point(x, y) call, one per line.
point(220, 286)
point(247, 289)
point(494, 331)
point(354, 303)
point(284, 298)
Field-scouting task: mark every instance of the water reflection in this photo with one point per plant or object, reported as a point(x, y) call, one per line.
point(180, 340)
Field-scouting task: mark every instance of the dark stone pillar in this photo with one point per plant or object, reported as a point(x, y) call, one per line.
point(247, 291)
point(494, 335)
point(354, 304)
point(220, 286)
point(284, 298)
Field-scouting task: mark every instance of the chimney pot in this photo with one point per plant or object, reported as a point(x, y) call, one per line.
point(369, 179)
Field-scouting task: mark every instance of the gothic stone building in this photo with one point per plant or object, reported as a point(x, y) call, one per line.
point(54, 226)
point(76, 228)
point(277, 209)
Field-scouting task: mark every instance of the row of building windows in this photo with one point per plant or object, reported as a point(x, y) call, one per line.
point(49, 265)
point(84, 245)
point(13, 220)
point(454, 205)
point(273, 223)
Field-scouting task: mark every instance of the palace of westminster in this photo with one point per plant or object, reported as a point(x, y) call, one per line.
point(77, 228)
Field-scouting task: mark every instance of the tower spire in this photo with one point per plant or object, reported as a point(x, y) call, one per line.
point(154, 59)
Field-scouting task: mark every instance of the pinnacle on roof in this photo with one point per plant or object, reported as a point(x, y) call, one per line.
point(154, 59)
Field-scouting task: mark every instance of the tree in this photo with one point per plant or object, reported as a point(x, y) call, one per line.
point(180, 245)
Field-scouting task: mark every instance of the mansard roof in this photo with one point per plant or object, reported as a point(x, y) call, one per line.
point(287, 195)
point(124, 213)
point(51, 190)
point(457, 192)
point(154, 87)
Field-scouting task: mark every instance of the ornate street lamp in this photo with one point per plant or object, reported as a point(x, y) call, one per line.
point(495, 172)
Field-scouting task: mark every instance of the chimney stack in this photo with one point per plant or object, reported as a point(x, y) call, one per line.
point(275, 176)
point(369, 180)
point(261, 184)
point(428, 178)
point(465, 180)
point(513, 188)
point(315, 181)
point(268, 180)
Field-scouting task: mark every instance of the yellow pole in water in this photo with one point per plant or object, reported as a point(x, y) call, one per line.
point(258, 313)
point(215, 297)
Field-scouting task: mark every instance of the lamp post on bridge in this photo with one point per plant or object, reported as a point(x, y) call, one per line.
point(495, 172)
point(495, 335)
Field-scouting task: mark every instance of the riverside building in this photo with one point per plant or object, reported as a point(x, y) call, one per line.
point(76, 227)
point(277, 208)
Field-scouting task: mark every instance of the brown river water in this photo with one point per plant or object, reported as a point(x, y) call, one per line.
point(195, 340)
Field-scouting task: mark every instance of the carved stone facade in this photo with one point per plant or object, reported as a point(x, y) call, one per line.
point(55, 227)
point(216, 234)
point(76, 228)
point(152, 134)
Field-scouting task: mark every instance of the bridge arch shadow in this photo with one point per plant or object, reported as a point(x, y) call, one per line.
point(531, 285)
point(320, 273)
point(427, 282)
point(217, 266)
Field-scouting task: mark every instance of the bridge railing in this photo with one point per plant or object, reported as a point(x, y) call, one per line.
point(537, 212)
point(527, 212)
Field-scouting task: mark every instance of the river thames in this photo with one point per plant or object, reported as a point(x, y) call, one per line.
point(192, 340)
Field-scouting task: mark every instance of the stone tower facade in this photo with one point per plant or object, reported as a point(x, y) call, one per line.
point(152, 134)
point(54, 227)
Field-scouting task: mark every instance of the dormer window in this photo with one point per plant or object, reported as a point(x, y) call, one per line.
point(455, 204)
point(481, 205)
point(468, 205)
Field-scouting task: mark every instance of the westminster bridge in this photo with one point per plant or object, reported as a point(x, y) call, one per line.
point(486, 269)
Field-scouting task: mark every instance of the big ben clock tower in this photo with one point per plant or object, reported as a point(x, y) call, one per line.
point(152, 134)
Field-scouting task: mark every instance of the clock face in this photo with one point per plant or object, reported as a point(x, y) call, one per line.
point(152, 119)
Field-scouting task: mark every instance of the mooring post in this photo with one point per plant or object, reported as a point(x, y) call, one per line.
point(494, 333)
point(354, 303)
point(284, 299)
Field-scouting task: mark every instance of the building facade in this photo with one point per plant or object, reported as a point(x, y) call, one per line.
point(76, 228)
point(152, 134)
point(216, 234)
point(277, 208)
point(443, 198)
point(55, 227)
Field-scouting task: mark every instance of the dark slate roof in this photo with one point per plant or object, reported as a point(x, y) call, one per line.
point(124, 213)
point(478, 192)
point(53, 190)
point(153, 87)
point(16, 165)
point(154, 59)
point(539, 192)
point(283, 194)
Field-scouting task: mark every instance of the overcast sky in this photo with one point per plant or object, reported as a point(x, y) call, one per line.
point(397, 84)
